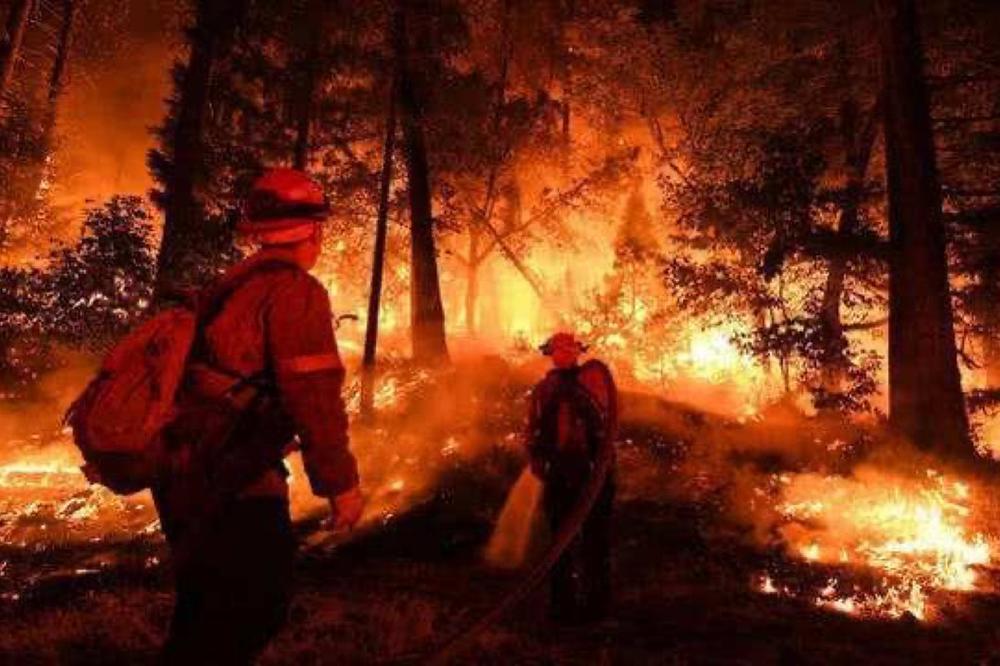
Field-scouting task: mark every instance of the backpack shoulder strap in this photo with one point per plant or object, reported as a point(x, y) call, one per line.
point(211, 301)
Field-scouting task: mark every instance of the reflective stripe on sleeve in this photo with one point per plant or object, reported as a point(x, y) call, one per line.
point(298, 365)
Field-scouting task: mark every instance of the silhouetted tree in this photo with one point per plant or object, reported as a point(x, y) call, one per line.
point(925, 392)
point(190, 247)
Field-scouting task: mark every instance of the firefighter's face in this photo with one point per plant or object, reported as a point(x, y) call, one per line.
point(565, 354)
point(312, 248)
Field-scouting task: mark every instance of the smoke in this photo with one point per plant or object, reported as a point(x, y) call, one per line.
point(115, 95)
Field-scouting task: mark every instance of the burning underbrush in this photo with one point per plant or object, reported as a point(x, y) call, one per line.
point(892, 546)
point(821, 513)
point(850, 522)
point(54, 525)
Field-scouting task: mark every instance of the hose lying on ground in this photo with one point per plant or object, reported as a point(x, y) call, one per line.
point(458, 641)
point(563, 538)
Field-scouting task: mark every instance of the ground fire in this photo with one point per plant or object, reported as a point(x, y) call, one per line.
point(413, 331)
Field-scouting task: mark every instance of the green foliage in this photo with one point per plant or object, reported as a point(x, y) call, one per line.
point(765, 176)
point(87, 296)
point(24, 348)
point(98, 288)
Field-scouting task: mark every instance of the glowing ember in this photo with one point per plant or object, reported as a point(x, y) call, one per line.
point(24, 474)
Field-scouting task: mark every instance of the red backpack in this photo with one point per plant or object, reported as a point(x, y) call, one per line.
point(577, 416)
point(119, 418)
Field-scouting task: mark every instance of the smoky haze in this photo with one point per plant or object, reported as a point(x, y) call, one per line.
point(115, 95)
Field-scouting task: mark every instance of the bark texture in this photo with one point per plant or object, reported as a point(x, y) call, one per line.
point(311, 40)
point(216, 24)
point(426, 310)
point(926, 404)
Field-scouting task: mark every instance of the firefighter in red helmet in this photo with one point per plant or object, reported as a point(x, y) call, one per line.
point(572, 415)
point(264, 372)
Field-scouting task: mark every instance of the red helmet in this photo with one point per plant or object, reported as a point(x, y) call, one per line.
point(283, 206)
point(562, 339)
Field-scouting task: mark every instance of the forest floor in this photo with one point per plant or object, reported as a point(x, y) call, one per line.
point(686, 576)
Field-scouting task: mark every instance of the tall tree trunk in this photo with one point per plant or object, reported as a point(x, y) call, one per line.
point(10, 43)
point(314, 19)
point(57, 82)
point(992, 357)
point(426, 311)
point(378, 264)
point(57, 79)
point(925, 393)
point(216, 23)
point(472, 281)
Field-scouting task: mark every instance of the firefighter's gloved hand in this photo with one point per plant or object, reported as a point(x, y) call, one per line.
point(345, 510)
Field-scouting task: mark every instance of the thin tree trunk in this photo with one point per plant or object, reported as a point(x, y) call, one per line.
point(472, 282)
point(57, 80)
point(514, 259)
point(10, 43)
point(858, 140)
point(926, 404)
point(378, 265)
point(314, 19)
point(215, 26)
point(989, 319)
point(426, 311)
point(991, 360)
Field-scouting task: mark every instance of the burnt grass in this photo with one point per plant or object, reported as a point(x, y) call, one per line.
point(683, 574)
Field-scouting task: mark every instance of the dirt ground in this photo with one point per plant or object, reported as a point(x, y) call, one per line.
point(684, 574)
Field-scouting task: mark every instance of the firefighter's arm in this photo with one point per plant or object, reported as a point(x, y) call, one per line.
point(310, 377)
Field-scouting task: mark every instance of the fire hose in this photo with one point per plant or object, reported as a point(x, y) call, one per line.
point(461, 640)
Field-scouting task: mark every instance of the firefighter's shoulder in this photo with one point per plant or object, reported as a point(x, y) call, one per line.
point(293, 281)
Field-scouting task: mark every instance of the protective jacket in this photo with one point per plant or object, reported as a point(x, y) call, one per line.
point(573, 418)
point(274, 334)
point(569, 415)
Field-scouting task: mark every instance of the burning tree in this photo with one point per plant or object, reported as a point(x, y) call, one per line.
point(697, 188)
point(632, 316)
point(773, 196)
